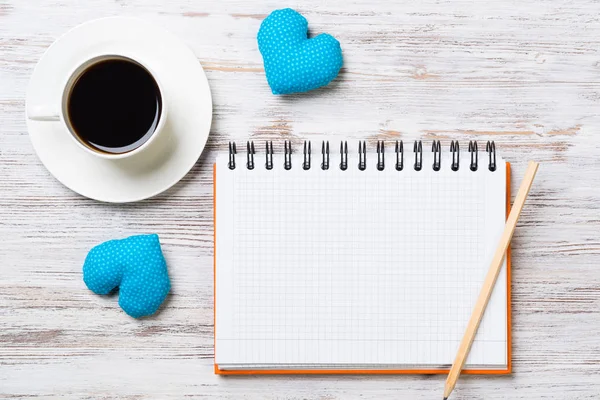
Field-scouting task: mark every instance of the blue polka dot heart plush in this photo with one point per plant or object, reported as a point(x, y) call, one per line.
point(293, 62)
point(136, 266)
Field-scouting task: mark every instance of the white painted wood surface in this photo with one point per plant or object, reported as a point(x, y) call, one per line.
point(526, 74)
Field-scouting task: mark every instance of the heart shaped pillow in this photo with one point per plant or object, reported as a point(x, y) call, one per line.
point(136, 266)
point(294, 63)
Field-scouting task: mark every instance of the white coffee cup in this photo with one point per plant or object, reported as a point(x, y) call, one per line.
point(58, 112)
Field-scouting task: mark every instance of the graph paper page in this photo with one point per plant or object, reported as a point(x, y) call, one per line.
point(356, 268)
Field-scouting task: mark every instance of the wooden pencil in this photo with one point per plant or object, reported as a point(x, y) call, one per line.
point(490, 280)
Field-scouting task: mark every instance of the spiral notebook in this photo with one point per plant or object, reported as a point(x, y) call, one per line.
point(359, 259)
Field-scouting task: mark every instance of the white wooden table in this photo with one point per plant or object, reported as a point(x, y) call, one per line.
point(525, 74)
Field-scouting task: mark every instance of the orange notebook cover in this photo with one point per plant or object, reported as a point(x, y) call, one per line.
point(275, 371)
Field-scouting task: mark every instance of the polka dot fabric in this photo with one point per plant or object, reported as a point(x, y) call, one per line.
point(137, 266)
point(294, 63)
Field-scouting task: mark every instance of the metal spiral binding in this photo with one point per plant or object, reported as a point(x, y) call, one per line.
point(306, 163)
point(269, 155)
point(436, 148)
point(325, 153)
point(399, 156)
point(232, 153)
point(250, 155)
point(455, 150)
point(362, 155)
point(490, 148)
point(474, 156)
point(344, 156)
point(418, 149)
point(380, 155)
point(287, 155)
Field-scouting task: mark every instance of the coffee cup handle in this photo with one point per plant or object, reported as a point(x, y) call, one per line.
point(42, 113)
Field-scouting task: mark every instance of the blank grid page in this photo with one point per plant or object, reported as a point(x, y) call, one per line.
point(318, 269)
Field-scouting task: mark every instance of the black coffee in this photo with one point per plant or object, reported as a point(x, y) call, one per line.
point(114, 106)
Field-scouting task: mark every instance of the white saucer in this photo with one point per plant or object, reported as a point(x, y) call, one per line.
point(173, 153)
